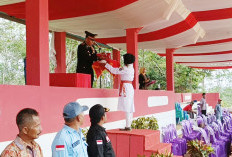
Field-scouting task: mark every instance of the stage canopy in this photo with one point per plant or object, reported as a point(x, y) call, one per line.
point(199, 30)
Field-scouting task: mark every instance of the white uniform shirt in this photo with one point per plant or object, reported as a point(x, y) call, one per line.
point(203, 103)
point(125, 102)
point(127, 72)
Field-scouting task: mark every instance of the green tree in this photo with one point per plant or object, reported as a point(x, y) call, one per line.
point(71, 55)
point(220, 82)
point(12, 52)
point(186, 79)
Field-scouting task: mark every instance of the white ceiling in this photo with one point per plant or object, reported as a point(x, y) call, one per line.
point(156, 15)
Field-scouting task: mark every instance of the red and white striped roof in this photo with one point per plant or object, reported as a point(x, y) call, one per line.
point(200, 30)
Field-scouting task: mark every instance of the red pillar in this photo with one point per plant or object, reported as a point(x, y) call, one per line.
point(60, 47)
point(37, 59)
point(132, 48)
point(117, 79)
point(170, 69)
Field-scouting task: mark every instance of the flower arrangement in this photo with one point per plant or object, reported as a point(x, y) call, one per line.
point(198, 148)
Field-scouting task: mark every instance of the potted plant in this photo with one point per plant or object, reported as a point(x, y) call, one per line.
point(145, 123)
point(198, 148)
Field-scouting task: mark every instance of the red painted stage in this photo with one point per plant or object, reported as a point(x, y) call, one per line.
point(49, 101)
point(183, 31)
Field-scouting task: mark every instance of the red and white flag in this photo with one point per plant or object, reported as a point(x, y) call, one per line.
point(60, 147)
point(99, 142)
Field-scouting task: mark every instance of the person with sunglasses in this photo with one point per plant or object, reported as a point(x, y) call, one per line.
point(86, 55)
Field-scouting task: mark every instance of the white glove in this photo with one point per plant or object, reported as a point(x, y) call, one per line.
point(103, 61)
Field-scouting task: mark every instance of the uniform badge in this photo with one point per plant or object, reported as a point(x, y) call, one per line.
point(120, 69)
point(107, 139)
point(99, 142)
point(60, 147)
point(76, 143)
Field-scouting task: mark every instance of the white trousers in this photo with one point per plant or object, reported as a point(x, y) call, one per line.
point(129, 118)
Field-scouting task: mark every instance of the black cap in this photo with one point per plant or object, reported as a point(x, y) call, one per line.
point(88, 34)
point(96, 113)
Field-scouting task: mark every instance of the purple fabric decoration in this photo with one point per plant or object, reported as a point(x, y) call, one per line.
point(188, 132)
point(213, 140)
point(220, 137)
point(199, 121)
point(179, 146)
point(207, 141)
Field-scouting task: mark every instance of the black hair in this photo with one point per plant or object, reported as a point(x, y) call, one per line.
point(96, 113)
point(203, 93)
point(128, 58)
point(24, 116)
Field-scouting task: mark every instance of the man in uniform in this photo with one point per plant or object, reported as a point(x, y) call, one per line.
point(70, 141)
point(99, 144)
point(86, 55)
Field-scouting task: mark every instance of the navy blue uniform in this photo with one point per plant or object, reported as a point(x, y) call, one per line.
point(85, 59)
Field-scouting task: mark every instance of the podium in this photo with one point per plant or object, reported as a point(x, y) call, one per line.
point(70, 80)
